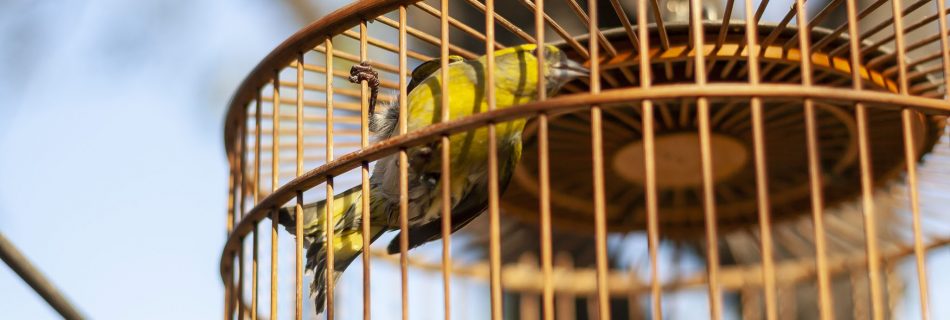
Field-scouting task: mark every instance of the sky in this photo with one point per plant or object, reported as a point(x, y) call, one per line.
point(113, 176)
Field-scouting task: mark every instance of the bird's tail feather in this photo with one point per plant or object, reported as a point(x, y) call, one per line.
point(314, 213)
point(347, 238)
point(348, 245)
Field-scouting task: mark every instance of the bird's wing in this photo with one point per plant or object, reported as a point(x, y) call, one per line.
point(383, 124)
point(472, 204)
point(474, 201)
point(428, 68)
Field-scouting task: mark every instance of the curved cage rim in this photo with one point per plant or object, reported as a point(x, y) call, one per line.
point(286, 52)
point(378, 150)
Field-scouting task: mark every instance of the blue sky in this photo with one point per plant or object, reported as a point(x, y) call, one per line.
point(112, 171)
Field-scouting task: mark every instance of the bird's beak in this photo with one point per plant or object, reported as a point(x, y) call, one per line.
point(571, 69)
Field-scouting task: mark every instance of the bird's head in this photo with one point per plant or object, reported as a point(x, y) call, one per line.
point(517, 67)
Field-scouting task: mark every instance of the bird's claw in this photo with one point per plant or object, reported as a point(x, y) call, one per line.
point(365, 72)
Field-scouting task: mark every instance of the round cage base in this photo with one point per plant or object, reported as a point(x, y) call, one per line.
point(677, 149)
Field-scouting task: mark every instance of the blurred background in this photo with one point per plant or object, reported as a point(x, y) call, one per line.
point(113, 176)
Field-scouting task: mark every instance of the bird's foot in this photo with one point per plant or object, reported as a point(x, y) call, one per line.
point(365, 72)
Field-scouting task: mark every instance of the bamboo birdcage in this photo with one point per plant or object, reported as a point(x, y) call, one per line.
point(769, 168)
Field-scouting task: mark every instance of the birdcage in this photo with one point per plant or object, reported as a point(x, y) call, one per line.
point(775, 159)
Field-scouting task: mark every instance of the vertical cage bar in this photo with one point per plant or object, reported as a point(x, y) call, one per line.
point(910, 153)
point(298, 209)
point(910, 157)
point(528, 306)
point(649, 155)
point(257, 148)
point(242, 164)
point(566, 309)
point(275, 181)
point(229, 292)
point(242, 154)
point(825, 306)
point(228, 287)
point(254, 272)
point(275, 143)
point(894, 287)
point(403, 168)
point(705, 149)
point(364, 171)
point(544, 175)
point(494, 228)
point(232, 187)
point(750, 304)
point(597, 155)
point(256, 194)
point(227, 299)
point(329, 224)
point(446, 178)
point(858, 302)
point(761, 172)
point(867, 183)
point(239, 292)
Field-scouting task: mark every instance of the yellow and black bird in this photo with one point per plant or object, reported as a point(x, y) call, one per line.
point(516, 76)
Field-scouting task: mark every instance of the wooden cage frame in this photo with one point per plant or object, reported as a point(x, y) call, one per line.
point(914, 87)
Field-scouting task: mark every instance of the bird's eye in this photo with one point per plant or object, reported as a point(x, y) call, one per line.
point(548, 54)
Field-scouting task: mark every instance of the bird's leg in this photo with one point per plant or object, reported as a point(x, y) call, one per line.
point(365, 72)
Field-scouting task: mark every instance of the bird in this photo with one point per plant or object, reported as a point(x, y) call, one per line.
point(515, 83)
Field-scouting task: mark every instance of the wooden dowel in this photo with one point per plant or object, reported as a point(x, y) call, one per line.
point(567, 37)
point(364, 172)
point(576, 8)
point(35, 279)
point(502, 21)
point(275, 184)
point(382, 44)
point(455, 23)
point(761, 172)
point(446, 178)
point(425, 37)
point(403, 168)
point(597, 160)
